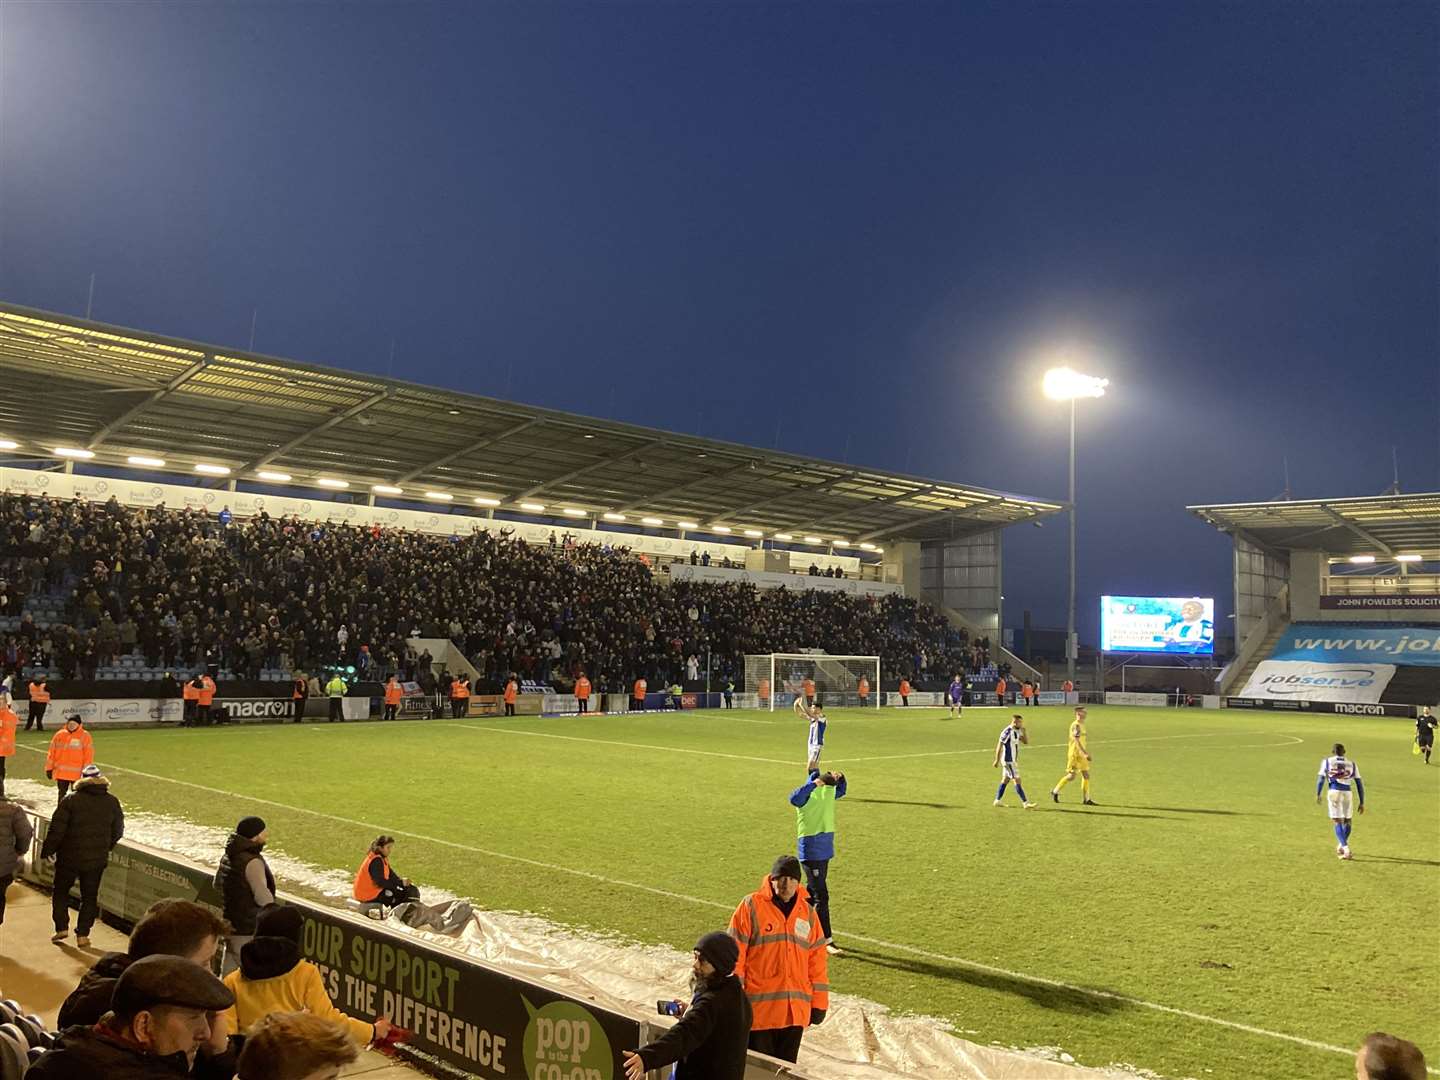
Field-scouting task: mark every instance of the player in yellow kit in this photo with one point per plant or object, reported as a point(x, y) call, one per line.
point(1077, 760)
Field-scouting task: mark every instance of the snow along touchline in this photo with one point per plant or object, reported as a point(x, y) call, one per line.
point(973, 965)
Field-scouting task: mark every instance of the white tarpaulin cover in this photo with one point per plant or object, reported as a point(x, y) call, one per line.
point(860, 1040)
point(1309, 680)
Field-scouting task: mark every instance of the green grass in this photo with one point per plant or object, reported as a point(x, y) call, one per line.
point(1207, 849)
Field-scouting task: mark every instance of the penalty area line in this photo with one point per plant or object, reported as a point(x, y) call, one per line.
point(974, 965)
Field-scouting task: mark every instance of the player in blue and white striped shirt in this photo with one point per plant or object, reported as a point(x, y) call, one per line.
point(1007, 753)
point(1339, 773)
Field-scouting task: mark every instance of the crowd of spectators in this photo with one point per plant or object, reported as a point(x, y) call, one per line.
point(186, 588)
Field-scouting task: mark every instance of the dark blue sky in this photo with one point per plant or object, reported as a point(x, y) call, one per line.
point(862, 227)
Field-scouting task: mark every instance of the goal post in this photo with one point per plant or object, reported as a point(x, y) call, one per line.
point(779, 678)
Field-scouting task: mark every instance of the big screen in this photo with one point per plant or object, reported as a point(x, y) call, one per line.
point(1159, 624)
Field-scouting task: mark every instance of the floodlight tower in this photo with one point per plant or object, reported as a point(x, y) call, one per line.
point(1064, 384)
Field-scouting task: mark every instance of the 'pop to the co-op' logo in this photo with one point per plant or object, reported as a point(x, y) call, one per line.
point(563, 1041)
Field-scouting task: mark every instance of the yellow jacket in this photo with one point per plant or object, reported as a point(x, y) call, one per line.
point(299, 989)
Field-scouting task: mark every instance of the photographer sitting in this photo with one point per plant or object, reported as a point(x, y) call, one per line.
point(710, 1041)
point(376, 883)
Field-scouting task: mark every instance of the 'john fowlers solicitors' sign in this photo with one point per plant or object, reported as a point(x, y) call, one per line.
point(484, 1022)
point(1382, 601)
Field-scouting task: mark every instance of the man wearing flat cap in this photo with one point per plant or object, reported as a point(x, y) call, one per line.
point(160, 1016)
point(710, 1041)
point(782, 960)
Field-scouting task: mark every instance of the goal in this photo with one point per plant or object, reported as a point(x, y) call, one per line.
point(779, 678)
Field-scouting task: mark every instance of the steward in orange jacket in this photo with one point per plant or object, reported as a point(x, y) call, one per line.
point(511, 690)
point(393, 693)
point(783, 961)
point(637, 698)
point(376, 882)
point(190, 693)
point(71, 749)
point(904, 691)
point(8, 723)
point(39, 700)
point(460, 696)
point(582, 693)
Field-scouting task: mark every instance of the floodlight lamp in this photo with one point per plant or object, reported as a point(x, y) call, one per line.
point(1409, 558)
point(1361, 560)
point(1065, 384)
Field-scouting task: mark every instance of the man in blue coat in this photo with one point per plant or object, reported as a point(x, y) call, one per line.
point(814, 803)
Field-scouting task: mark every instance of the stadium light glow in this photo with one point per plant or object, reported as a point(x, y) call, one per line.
point(571, 511)
point(534, 508)
point(485, 500)
point(867, 546)
point(73, 452)
point(754, 533)
point(8, 444)
point(686, 525)
point(842, 543)
point(1361, 560)
point(653, 521)
point(277, 477)
point(1065, 384)
point(141, 459)
point(813, 540)
point(386, 489)
point(1409, 558)
point(783, 536)
point(720, 528)
point(212, 470)
point(614, 517)
point(439, 496)
point(331, 482)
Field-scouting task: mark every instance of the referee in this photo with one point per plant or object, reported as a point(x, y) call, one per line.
point(1425, 725)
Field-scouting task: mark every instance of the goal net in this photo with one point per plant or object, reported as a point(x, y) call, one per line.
point(779, 678)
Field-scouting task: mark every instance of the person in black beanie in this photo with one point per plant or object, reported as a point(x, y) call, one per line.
point(246, 883)
point(710, 1041)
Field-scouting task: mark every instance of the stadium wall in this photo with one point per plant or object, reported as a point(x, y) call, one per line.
point(1387, 601)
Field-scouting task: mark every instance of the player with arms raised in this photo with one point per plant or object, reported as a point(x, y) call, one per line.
point(815, 744)
point(1007, 755)
point(1338, 773)
point(1077, 760)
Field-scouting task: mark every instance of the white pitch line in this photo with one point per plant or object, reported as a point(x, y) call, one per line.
point(974, 965)
point(1096, 742)
point(613, 742)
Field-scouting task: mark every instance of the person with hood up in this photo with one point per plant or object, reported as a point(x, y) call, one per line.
point(711, 1039)
point(245, 882)
point(273, 977)
point(71, 749)
point(163, 1012)
point(82, 831)
point(782, 962)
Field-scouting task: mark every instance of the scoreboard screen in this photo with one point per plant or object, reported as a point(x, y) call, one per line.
point(1158, 624)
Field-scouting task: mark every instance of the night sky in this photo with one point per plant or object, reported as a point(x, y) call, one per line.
point(859, 231)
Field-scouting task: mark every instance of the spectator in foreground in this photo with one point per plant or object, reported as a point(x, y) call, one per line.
point(169, 927)
point(273, 977)
point(376, 883)
point(711, 1039)
point(82, 831)
point(15, 836)
point(296, 1046)
point(246, 883)
point(160, 1016)
point(786, 981)
point(1386, 1057)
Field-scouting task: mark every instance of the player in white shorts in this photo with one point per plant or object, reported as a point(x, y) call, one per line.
point(815, 744)
point(1338, 774)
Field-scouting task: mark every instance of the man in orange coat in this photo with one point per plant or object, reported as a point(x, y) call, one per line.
point(190, 693)
point(1000, 689)
point(905, 692)
point(393, 693)
point(70, 751)
point(864, 691)
point(39, 699)
point(8, 723)
point(512, 690)
point(582, 693)
point(460, 696)
point(207, 695)
point(637, 699)
point(783, 962)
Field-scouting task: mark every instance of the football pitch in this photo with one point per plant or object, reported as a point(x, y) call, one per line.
point(1196, 922)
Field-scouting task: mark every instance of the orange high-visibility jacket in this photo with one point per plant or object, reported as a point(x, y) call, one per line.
point(70, 751)
point(459, 689)
point(782, 961)
point(8, 720)
point(190, 691)
point(582, 688)
point(864, 688)
point(640, 687)
point(393, 692)
point(1000, 687)
point(763, 690)
point(38, 693)
point(904, 687)
point(365, 888)
point(207, 691)
point(1026, 691)
point(510, 691)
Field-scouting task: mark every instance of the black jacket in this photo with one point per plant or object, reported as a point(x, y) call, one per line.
point(240, 906)
point(85, 1053)
point(15, 836)
point(90, 1000)
point(85, 826)
point(711, 1038)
